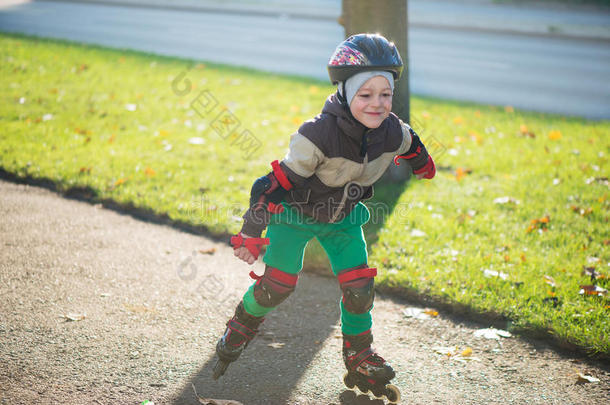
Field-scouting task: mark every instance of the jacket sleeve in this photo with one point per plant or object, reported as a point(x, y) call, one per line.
point(298, 165)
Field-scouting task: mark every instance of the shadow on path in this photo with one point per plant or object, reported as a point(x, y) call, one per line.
point(269, 375)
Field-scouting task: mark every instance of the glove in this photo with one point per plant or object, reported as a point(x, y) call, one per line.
point(428, 171)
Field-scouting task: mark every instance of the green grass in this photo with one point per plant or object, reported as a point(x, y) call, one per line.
point(65, 116)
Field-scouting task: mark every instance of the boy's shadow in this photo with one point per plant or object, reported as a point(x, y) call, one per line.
point(271, 367)
point(349, 397)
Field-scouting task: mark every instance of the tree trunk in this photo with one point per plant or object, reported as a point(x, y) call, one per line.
point(388, 18)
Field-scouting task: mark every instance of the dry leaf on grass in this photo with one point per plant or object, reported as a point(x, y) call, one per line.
point(592, 290)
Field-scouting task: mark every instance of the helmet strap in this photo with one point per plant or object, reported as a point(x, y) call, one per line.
point(341, 94)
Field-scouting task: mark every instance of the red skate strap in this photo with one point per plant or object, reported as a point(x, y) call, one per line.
point(360, 357)
point(277, 275)
point(241, 329)
point(355, 274)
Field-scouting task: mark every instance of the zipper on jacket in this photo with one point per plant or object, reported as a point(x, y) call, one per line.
point(364, 144)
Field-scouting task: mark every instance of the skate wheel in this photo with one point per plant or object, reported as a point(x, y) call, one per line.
point(348, 381)
point(377, 393)
point(219, 369)
point(392, 393)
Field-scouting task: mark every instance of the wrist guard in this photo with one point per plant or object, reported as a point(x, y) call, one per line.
point(417, 155)
point(252, 244)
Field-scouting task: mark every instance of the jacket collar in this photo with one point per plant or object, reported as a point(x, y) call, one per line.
point(350, 125)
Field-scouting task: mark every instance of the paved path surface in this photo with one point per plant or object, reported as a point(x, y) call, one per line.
point(148, 306)
point(474, 51)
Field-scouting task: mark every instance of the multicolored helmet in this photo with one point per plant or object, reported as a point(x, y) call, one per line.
point(363, 52)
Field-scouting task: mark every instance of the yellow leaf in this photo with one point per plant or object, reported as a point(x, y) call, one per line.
point(313, 89)
point(425, 114)
point(163, 133)
point(119, 182)
point(431, 312)
point(509, 109)
point(477, 114)
point(475, 137)
point(466, 352)
point(458, 120)
point(149, 172)
point(523, 129)
point(554, 135)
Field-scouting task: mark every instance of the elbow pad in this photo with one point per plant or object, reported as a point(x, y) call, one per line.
point(268, 191)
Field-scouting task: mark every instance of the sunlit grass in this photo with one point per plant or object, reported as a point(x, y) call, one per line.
point(152, 132)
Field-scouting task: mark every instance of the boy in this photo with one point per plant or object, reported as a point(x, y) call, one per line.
point(316, 191)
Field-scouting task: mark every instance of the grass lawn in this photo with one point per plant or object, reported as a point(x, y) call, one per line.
point(515, 225)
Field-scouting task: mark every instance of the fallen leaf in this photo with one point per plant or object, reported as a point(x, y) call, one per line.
point(592, 290)
point(582, 211)
point(493, 274)
point(460, 173)
point(554, 135)
point(210, 401)
point(418, 313)
point(74, 317)
point(149, 172)
point(209, 251)
point(276, 345)
point(526, 132)
point(492, 333)
point(467, 352)
point(550, 281)
point(417, 233)
point(119, 182)
point(454, 353)
point(431, 312)
point(506, 200)
point(584, 379)
point(591, 272)
point(509, 109)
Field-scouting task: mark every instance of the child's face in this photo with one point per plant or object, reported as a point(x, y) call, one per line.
point(373, 102)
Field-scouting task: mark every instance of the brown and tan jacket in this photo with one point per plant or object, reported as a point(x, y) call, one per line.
point(333, 161)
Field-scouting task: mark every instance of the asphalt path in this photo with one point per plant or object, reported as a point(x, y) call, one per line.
point(535, 72)
point(100, 308)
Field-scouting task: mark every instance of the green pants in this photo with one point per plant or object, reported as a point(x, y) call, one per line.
point(290, 231)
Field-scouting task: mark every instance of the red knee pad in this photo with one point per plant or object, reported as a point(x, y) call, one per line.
point(358, 288)
point(273, 287)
